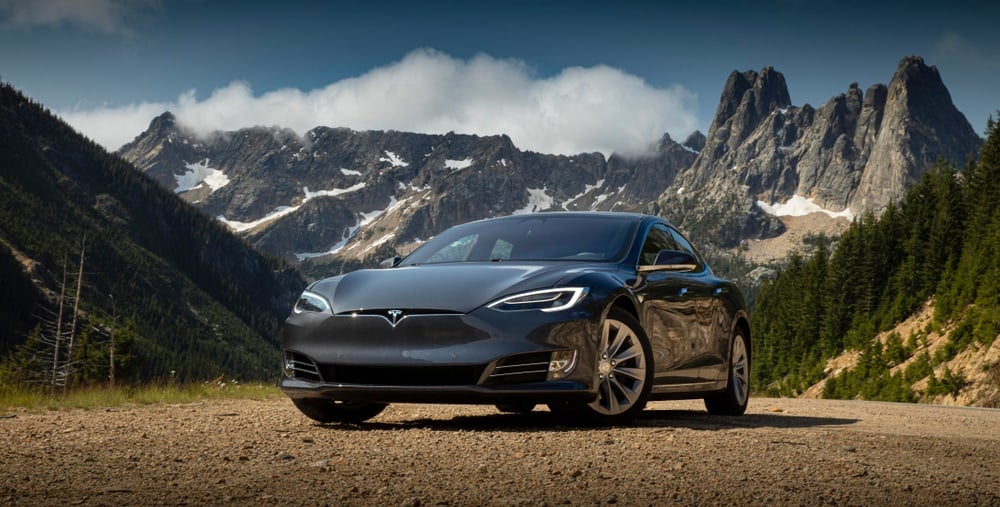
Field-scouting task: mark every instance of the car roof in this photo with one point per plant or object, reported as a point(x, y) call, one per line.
point(637, 217)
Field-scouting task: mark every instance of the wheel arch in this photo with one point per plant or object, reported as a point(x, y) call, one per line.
point(627, 304)
point(742, 323)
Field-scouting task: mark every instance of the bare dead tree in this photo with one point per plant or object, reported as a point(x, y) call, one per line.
point(58, 331)
point(111, 344)
point(76, 314)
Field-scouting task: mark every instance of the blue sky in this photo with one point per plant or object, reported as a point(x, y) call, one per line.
point(559, 76)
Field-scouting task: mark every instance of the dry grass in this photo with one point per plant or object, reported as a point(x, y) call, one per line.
point(104, 397)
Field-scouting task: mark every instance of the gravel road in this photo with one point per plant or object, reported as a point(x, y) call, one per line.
point(783, 452)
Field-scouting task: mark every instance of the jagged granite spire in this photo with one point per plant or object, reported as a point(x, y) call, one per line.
point(920, 125)
point(859, 151)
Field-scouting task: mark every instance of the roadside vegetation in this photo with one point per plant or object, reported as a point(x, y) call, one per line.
point(101, 397)
point(941, 244)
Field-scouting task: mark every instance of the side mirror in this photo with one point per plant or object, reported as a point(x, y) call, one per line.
point(391, 262)
point(671, 260)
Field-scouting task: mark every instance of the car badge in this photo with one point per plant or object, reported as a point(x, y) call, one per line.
point(395, 316)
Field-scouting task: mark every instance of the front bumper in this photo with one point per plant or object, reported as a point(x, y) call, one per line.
point(543, 392)
point(486, 356)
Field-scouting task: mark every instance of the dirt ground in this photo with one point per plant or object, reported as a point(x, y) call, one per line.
point(783, 452)
point(796, 230)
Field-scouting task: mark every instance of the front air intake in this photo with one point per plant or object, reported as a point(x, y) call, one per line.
point(533, 367)
point(301, 367)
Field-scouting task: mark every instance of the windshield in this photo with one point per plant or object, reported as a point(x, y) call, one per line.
point(544, 237)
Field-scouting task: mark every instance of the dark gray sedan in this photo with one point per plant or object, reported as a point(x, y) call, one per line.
point(590, 313)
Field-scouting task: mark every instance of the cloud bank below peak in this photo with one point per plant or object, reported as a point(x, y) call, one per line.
point(577, 110)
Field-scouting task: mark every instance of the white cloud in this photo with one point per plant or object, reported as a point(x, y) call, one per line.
point(108, 16)
point(578, 110)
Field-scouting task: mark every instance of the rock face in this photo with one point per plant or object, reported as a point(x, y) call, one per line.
point(337, 191)
point(346, 193)
point(857, 152)
point(920, 125)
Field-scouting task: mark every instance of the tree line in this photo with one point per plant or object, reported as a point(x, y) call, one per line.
point(198, 300)
point(940, 243)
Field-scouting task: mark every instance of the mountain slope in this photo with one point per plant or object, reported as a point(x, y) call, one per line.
point(201, 301)
point(905, 307)
point(343, 196)
point(858, 152)
point(346, 192)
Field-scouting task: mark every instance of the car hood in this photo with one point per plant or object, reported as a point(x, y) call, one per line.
point(453, 287)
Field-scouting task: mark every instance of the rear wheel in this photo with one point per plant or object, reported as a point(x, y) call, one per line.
point(624, 369)
point(733, 401)
point(331, 411)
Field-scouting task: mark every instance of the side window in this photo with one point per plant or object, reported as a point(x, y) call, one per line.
point(659, 238)
point(684, 246)
point(501, 250)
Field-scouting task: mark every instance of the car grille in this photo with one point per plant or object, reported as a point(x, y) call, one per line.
point(302, 367)
point(532, 367)
point(403, 375)
point(517, 369)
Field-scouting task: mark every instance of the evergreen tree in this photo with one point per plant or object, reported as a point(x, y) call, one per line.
point(942, 240)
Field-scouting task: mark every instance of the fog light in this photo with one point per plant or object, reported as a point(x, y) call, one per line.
point(561, 363)
point(288, 366)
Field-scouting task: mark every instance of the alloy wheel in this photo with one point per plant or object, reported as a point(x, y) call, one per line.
point(621, 369)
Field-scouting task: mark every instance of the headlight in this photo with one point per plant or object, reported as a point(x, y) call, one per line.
point(546, 300)
point(310, 302)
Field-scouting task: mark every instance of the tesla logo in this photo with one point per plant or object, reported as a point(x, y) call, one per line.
point(395, 316)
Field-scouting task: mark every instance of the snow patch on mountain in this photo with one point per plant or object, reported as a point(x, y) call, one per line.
point(538, 200)
point(365, 219)
point(331, 193)
point(199, 173)
point(799, 206)
point(378, 242)
point(282, 211)
point(586, 190)
point(457, 165)
point(393, 159)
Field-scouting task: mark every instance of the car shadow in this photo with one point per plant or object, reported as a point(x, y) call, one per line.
point(540, 421)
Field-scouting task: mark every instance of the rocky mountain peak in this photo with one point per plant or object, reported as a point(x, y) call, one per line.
point(335, 192)
point(747, 97)
point(167, 120)
point(857, 152)
point(920, 125)
point(695, 141)
point(770, 92)
point(338, 192)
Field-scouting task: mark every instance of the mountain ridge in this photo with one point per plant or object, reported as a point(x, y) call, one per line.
point(336, 193)
point(200, 300)
point(337, 181)
point(856, 153)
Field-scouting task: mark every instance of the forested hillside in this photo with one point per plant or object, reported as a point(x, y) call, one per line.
point(941, 243)
point(180, 293)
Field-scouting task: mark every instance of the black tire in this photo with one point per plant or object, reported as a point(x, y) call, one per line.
point(733, 401)
point(517, 407)
point(624, 370)
point(331, 411)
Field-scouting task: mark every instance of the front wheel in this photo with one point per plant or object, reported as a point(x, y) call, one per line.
point(624, 369)
point(331, 411)
point(733, 401)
